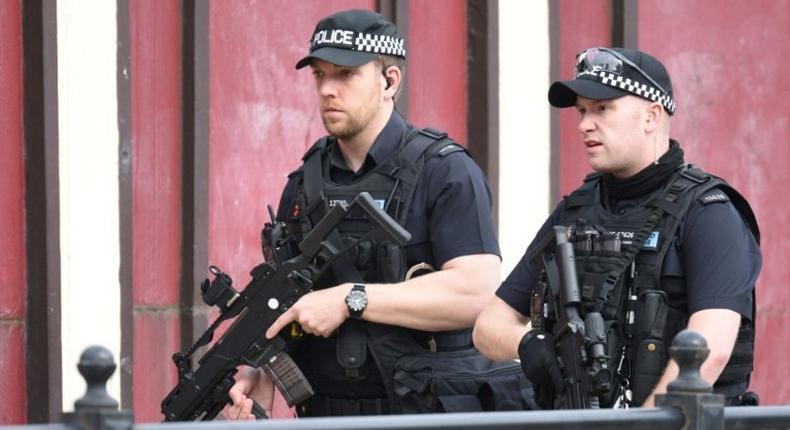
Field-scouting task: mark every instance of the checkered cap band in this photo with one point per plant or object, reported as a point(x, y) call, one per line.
point(362, 42)
point(632, 86)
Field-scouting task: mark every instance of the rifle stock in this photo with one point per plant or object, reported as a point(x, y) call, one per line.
point(202, 392)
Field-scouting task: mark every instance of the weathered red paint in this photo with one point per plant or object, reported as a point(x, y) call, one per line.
point(581, 25)
point(437, 66)
point(728, 63)
point(155, 32)
point(13, 406)
point(155, 67)
point(12, 219)
point(155, 340)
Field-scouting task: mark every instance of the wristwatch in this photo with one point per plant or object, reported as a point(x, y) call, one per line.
point(357, 301)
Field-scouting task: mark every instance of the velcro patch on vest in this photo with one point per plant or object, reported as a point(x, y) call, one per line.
point(714, 196)
point(651, 243)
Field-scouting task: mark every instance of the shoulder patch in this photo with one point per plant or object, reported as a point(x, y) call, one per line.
point(714, 196)
point(449, 149)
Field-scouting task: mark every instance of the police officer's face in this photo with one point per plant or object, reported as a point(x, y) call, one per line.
point(349, 97)
point(614, 136)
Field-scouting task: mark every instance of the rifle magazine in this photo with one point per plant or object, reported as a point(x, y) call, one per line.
point(288, 378)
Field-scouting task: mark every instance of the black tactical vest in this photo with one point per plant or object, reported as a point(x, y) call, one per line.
point(391, 184)
point(642, 299)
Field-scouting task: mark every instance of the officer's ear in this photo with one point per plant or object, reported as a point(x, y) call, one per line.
point(654, 117)
point(391, 80)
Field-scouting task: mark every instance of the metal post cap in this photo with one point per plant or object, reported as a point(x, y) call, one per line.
point(689, 350)
point(96, 365)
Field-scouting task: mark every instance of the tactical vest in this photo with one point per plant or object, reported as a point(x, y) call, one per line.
point(391, 184)
point(642, 300)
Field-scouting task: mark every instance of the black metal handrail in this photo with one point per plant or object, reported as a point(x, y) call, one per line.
point(688, 404)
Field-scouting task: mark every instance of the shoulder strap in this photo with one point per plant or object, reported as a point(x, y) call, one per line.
point(670, 203)
point(711, 182)
point(419, 146)
point(418, 142)
point(313, 171)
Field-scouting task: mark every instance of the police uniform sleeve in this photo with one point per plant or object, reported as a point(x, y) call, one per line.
point(458, 206)
point(720, 257)
point(517, 288)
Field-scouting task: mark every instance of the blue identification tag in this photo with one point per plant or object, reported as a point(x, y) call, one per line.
point(652, 241)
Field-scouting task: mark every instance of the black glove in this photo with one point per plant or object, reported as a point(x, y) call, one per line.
point(538, 355)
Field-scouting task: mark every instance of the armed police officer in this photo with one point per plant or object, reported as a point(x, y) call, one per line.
point(363, 316)
point(659, 246)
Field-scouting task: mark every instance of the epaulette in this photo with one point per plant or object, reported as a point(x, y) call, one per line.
point(714, 195)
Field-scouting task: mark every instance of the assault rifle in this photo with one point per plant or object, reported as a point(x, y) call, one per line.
point(202, 392)
point(581, 342)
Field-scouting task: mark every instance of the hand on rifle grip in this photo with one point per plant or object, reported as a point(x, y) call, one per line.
point(538, 354)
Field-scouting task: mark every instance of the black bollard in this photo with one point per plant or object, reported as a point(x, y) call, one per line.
point(701, 409)
point(96, 410)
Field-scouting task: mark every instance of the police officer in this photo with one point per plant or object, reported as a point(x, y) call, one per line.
point(424, 181)
point(694, 265)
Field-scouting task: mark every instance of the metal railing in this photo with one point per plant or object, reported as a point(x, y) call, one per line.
point(688, 404)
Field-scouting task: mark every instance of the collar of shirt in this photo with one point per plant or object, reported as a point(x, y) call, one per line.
point(386, 144)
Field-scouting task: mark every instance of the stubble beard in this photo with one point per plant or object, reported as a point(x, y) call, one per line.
point(344, 130)
point(354, 124)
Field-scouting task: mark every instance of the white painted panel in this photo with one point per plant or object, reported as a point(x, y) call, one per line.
point(524, 131)
point(87, 111)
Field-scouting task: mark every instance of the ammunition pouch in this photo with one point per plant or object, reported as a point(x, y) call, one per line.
point(457, 381)
point(593, 272)
point(390, 262)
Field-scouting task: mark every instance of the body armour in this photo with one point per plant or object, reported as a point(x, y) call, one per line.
point(391, 184)
point(642, 300)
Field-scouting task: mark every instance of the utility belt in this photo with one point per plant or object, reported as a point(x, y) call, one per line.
point(449, 340)
point(323, 406)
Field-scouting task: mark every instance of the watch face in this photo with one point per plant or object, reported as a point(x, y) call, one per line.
point(357, 300)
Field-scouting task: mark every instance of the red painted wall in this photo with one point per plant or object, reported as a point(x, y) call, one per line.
point(728, 62)
point(13, 406)
point(581, 25)
point(155, 33)
point(437, 66)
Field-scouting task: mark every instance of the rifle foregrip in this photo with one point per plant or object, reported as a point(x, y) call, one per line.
point(288, 378)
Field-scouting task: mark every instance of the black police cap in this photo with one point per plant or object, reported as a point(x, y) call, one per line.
point(352, 38)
